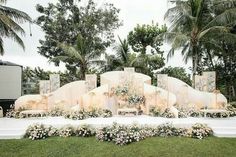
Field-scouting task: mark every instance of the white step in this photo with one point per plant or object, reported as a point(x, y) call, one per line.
point(224, 131)
point(11, 134)
point(224, 134)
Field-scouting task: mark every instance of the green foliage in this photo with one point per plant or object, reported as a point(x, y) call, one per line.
point(223, 61)
point(140, 38)
point(122, 58)
point(68, 20)
point(177, 72)
point(145, 35)
point(31, 78)
point(10, 20)
point(196, 24)
point(79, 56)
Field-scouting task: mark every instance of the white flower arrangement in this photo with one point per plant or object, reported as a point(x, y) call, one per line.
point(83, 114)
point(75, 115)
point(106, 113)
point(119, 134)
point(37, 131)
point(55, 112)
point(155, 111)
point(12, 113)
point(84, 131)
point(135, 99)
point(167, 114)
point(200, 131)
point(66, 131)
point(122, 90)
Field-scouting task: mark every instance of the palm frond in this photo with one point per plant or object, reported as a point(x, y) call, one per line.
point(59, 58)
point(227, 18)
point(213, 29)
point(71, 52)
point(7, 24)
point(17, 15)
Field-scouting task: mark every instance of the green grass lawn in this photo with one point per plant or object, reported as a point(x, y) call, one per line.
point(90, 147)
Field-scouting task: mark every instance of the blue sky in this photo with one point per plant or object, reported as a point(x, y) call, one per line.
point(132, 13)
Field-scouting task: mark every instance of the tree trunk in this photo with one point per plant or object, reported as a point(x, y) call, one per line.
point(83, 70)
point(194, 64)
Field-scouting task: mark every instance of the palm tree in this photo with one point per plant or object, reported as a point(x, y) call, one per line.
point(79, 55)
point(193, 24)
point(10, 19)
point(144, 63)
point(122, 58)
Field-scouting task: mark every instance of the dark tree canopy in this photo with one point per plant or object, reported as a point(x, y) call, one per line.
point(146, 35)
point(139, 39)
point(177, 72)
point(64, 21)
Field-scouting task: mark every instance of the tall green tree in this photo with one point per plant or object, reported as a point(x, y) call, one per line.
point(122, 57)
point(80, 56)
point(64, 21)
point(10, 20)
point(224, 63)
point(193, 23)
point(140, 38)
point(145, 35)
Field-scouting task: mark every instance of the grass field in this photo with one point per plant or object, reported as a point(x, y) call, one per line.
point(90, 147)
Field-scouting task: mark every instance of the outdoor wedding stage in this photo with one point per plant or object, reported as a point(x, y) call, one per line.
point(123, 97)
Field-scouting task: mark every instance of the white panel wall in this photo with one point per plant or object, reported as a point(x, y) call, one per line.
point(10, 82)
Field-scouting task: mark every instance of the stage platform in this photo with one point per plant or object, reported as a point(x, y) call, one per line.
point(11, 128)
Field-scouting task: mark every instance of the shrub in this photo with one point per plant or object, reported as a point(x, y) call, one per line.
point(93, 113)
point(84, 131)
point(167, 114)
point(75, 115)
point(232, 110)
point(55, 112)
point(106, 133)
point(106, 113)
point(233, 104)
point(66, 131)
point(182, 113)
point(52, 131)
point(194, 113)
point(154, 111)
point(12, 114)
point(200, 131)
point(167, 129)
point(37, 131)
point(82, 114)
point(122, 135)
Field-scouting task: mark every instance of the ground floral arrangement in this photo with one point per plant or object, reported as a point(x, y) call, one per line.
point(118, 134)
point(230, 111)
point(56, 112)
